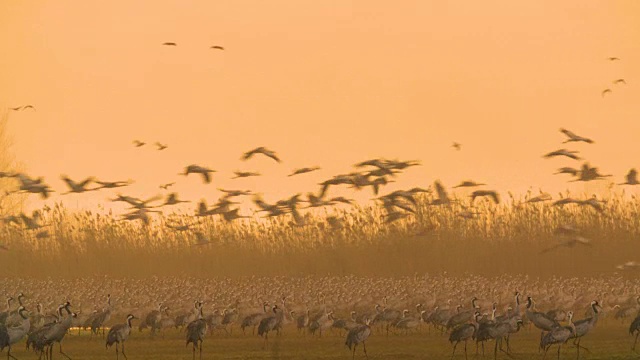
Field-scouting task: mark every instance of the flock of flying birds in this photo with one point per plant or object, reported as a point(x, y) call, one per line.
point(373, 174)
point(615, 82)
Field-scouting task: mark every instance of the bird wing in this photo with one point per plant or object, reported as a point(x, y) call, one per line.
point(569, 133)
point(495, 197)
point(206, 177)
point(272, 155)
point(605, 91)
point(442, 193)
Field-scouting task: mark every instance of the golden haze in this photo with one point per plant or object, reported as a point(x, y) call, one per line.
point(323, 83)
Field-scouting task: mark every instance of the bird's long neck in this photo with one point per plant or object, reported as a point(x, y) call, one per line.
point(129, 322)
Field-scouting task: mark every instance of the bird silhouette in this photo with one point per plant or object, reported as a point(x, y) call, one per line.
point(260, 150)
point(490, 193)
point(22, 108)
point(169, 44)
point(456, 146)
point(160, 146)
point(166, 186)
point(304, 170)
point(138, 143)
point(244, 174)
point(217, 47)
point(196, 169)
point(468, 183)
point(619, 81)
point(613, 58)
point(574, 138)
point(605, 91)
point(570, 243)
point(563, 152)
point(631, 178)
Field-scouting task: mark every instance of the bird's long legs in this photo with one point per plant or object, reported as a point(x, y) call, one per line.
point(122, 351)
point(62, 352)
point(454, 349)
point(364, 348)
point(635, 341)
point(9, 356)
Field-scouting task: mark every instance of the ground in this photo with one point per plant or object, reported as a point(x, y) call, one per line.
point(609, 340)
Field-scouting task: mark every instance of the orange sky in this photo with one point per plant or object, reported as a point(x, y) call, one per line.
point(324, 83)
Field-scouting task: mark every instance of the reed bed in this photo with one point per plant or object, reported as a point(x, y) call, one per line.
point(505, 238)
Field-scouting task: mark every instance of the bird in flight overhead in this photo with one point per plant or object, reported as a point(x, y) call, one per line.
point(456, 146)
point(613, 58)
point(22, 108)
point(169, 44)
point(161, 146)
point(573, 137)
point(563, 152)
point(138, 143)
point(304, 170)
point(605, 91)
point(631, 178)
point(619, 81)
point(261, 150)
point(217, 47)
point(166, 186)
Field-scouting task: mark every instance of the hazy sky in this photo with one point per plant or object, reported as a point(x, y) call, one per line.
point(324, 83)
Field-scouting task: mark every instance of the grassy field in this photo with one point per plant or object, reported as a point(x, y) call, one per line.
point(609, 340)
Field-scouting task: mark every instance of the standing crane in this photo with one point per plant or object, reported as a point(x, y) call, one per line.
point(357, 335)
point(585, 325)
point(100, 319)
point(57, 332)
point(558, 335)
point(464, 333)
point(270, 323)
point(118, 334)
point(196, 330)
point(635, 328)
point(13, 334)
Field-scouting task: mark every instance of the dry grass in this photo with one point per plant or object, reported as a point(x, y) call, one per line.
point(504, 238)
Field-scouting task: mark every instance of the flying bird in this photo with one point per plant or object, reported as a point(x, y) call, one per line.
point(166, 186)
point(170, 44)
point(572, 137)
point(195, 169)
point(629, 265)
point(443, 198)
point(244, 174)
point(161, 146)
point(138, 143)
point(456, 146)
point(468, 183)
point(576, 240)
point(217, 47)
point(304, 170)
point(619, 81)
point(631, 178)
point(567, 170)
point(112, 184)
point(563, 152)
point(22, 108)
point(490, 193)
point(260, 150)
point(605, 91)
point(612, 58)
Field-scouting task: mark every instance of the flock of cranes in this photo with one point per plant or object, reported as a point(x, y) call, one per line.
point(373, 174)
point(497, 314)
